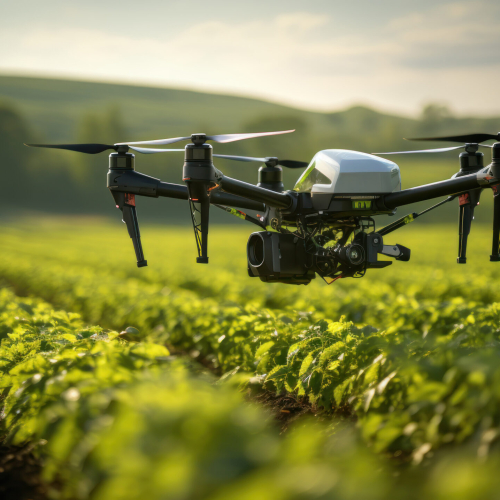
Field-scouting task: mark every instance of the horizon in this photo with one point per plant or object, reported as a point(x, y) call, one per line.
point(384, 111)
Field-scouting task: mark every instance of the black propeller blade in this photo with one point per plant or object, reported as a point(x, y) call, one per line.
point(471, 138)
point(272, 161)
point(293, 164)
point(90, 149)
point(269, 160)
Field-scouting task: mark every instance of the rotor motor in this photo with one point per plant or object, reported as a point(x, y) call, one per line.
point(271, 177)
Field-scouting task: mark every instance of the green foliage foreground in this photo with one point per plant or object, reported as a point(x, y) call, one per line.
point(120, 421)
point(408, 408)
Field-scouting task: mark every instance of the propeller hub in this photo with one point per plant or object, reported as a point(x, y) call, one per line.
point(271, 161)
point(122, 149)
point(199, 139)
point(471, 147)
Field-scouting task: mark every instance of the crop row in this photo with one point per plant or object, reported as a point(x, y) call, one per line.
point(427, 381)
point(114, 420)
point(432, 277)
point(123, 421)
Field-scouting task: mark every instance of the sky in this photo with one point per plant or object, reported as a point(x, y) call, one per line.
point(318, 54)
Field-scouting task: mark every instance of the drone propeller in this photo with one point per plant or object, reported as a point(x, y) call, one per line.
point(90, 149)
point(221, 138)
point(269, 160)
point(122, 147)
point(93, 149)
point(438, 150)
point(467, 138)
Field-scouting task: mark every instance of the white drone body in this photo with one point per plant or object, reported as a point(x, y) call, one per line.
point(344, 172)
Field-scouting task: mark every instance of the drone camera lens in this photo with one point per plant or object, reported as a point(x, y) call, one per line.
point(256, 250)
point(355, 254)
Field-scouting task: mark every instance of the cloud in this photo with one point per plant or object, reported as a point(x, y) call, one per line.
point(294, 57)
point(456, 35)
point(300, 23)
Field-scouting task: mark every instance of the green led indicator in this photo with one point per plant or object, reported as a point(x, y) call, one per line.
point(362, 204)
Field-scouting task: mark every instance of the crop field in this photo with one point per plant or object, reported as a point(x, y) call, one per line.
point(185, 381)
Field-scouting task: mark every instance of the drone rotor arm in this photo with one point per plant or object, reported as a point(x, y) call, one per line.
point(143, 185)
point(259, 194)
point(449, 187)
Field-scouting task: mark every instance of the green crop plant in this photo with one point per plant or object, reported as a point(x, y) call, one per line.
point(409, 359)
point(116, 419)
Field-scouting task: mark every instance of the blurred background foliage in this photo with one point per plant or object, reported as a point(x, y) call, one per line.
point(48, 110)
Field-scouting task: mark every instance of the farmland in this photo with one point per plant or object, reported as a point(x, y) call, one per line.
point(226, 387)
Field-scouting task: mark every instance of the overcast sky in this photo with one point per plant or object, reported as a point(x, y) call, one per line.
point(395, 55)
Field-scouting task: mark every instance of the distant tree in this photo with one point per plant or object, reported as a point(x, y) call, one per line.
point(15, 156)
point(105, 128)
point(434, 117)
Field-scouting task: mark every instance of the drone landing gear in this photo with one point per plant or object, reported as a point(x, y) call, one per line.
point(200, 206)
point(468, 202)
point(126, 203)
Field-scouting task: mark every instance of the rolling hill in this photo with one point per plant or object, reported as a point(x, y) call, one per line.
point(54, 110)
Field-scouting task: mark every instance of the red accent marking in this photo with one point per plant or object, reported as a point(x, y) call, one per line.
point(210, 189)
point(495, 189)
point(130, 199)
point(463, 199)
point(186, 178)
point(194, 199)
point(335, 279)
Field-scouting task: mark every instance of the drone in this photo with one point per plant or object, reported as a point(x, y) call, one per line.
point(324, 226)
